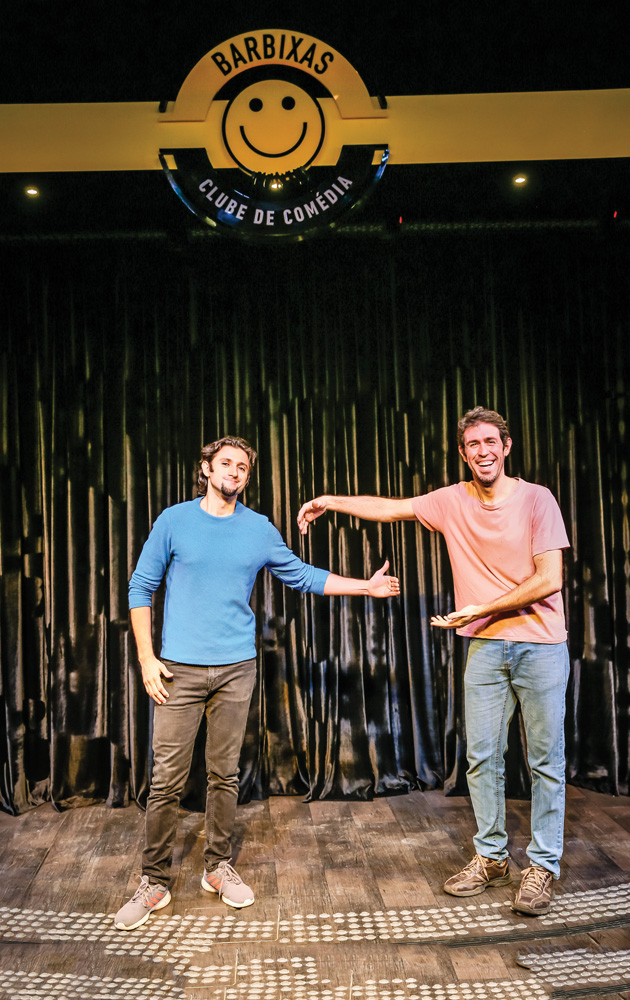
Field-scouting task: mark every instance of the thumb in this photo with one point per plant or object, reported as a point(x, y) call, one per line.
point(384, 567)
point(164, 670)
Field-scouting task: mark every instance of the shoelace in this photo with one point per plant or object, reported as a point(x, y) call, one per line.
point(228, 874)
point(144, 891)
point(477, 864)
point(537, 875)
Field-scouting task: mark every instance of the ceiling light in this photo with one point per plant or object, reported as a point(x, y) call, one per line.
point(519, 179)
point(32, 192)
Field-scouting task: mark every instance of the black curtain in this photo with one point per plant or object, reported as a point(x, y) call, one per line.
point(346, 362)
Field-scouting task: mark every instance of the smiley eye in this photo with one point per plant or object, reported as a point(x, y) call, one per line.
point(288, 103)
point(255, 104)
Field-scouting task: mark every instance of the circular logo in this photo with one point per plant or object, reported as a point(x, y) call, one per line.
point(276, 152)
point(273, 126)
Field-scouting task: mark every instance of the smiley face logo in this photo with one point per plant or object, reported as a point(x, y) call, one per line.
point(273, 126)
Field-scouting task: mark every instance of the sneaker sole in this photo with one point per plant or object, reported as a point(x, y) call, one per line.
point(130, 927)
point(530, 912)
point(230, 902)
point(481, 888)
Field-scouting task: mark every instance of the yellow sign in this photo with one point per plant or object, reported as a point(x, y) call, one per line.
point(268, 101)
point(275, 107)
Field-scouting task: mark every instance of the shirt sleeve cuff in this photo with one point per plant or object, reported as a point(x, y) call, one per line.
point(319, 580)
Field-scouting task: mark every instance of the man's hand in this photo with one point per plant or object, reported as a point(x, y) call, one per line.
point(457, 619)
point(310, 511)
point(381, 585)
point(152, 672)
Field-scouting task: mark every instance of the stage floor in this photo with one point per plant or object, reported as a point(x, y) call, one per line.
point(349, 906)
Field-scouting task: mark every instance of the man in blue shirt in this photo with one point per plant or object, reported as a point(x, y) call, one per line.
point(211, 550)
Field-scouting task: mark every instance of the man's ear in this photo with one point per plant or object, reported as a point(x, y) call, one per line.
point(507, 447)
point(463, 454)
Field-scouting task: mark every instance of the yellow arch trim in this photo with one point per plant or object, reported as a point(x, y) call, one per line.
point(273, 47)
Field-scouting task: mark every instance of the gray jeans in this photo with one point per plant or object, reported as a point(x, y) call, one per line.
point(224, 694)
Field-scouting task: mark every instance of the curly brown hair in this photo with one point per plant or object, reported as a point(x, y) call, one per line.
point(479, 415)
point(209, 451)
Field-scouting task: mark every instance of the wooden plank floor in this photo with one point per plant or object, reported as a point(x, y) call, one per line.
point(349, 906)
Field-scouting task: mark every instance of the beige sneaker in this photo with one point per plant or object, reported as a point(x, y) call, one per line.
point(534, 894)
point(477, 876)
point(147, 898)
point(229, 885)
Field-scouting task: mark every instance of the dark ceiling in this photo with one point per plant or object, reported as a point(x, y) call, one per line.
point(142, 51)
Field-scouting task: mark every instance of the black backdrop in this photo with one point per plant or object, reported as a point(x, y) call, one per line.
point(346, 362)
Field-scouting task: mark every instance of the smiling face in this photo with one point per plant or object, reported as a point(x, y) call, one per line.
point(485, 453)
point(273, 127)
point(228, 475)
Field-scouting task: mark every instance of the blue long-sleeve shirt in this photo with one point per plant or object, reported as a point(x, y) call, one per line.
point(211, 565)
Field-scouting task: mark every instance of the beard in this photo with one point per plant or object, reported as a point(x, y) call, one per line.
point(229, 490)
point(487, 477)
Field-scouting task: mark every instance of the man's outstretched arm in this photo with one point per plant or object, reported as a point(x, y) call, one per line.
point(293, 572)
point(369, 508)
point(546, 580)
point(379, 585)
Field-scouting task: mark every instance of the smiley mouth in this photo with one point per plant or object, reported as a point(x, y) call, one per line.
point(285, 152)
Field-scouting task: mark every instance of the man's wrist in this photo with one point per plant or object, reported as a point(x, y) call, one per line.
point(334, 503)
point(480, 611)
point(146, 657)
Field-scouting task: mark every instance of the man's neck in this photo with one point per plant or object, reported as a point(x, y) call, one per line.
point(497, 491)
point(217, 505)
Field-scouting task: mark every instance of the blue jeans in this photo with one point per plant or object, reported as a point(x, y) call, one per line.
point(499, 673)
point(223, 693)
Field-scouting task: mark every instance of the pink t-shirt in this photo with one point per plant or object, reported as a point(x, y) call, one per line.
point(491, 547)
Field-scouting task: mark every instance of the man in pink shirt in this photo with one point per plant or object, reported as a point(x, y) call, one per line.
point(505, 539)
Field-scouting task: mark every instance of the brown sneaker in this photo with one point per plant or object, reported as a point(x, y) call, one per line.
point(477, 876)
point(535, 891)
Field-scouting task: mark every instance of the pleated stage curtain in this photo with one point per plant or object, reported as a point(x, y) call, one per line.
point(346, 362)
